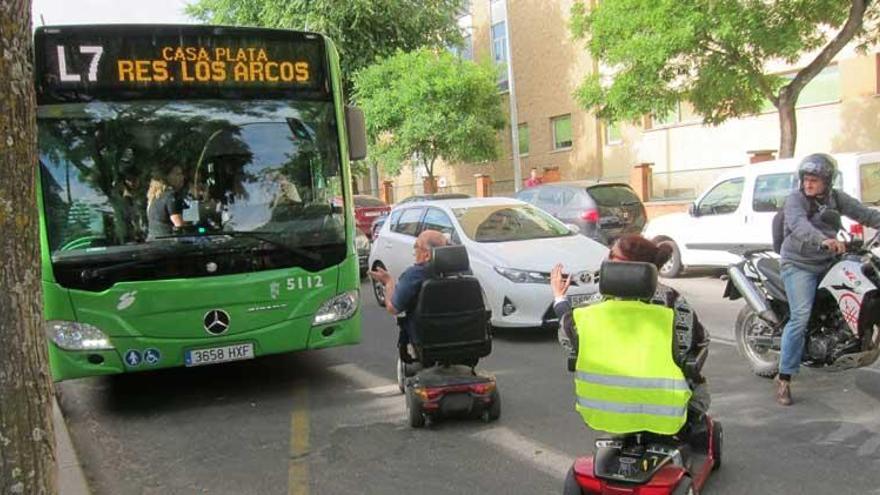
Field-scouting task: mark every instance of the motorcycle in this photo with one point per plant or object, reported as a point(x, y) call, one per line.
point(843, 328)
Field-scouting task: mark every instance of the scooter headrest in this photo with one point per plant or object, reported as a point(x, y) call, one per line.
point(447, 260)
point(628, 279)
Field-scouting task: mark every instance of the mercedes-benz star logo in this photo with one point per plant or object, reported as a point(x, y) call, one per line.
point(216, 321)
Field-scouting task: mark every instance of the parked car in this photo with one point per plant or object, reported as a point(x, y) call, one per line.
point(377, 223)
point(602, 211)
point(362, 244)
point(512, 247)
point(736, 212)
point(416, 198)
point(366, 209)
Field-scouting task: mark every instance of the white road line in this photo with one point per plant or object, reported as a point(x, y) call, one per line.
point(546, 459)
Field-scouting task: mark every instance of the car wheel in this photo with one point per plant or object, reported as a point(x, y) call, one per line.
point(673, 267)
point(378, 289)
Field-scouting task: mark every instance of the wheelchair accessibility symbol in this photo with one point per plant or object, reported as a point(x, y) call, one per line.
point(152, 357)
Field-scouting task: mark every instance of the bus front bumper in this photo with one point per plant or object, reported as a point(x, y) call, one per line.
point(134, 354)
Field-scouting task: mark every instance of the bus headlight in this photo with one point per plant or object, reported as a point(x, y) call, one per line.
point(337, 308)
point(74, 336)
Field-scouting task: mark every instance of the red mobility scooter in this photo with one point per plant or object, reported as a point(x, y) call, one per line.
point(643, 463)
point(452, 334)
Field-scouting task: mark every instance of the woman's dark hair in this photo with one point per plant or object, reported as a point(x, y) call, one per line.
point(634, 247)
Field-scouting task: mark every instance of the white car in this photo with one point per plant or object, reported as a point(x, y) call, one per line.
point(736, 212)
point(512, 247)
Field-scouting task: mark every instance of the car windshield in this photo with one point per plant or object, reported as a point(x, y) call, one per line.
point(510, 222)
point(114, 174)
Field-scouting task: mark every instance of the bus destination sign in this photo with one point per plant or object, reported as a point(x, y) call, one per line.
point(72, 63)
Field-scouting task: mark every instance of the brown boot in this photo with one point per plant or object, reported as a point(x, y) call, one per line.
point(783, 392)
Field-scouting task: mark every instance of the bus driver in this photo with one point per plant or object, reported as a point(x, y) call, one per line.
point(164, 206)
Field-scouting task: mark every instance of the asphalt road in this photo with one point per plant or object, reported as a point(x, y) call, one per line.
point(332, 422)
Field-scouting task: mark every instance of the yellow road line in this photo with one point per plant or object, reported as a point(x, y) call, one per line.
point(298, 469)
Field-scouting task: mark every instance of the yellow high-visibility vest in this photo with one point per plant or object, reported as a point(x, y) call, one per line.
point(626, 380)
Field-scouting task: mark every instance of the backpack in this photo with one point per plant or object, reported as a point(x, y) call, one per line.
point(779, 222)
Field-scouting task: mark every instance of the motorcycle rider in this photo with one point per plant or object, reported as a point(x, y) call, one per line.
point(808, 249)
point(690, 338)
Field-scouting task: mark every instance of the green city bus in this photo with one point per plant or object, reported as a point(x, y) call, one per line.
point(188, 180)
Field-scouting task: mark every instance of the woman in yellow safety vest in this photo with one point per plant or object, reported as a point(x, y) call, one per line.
point(690, 338)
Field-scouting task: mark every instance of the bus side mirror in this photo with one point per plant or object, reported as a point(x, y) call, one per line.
point(357, 133)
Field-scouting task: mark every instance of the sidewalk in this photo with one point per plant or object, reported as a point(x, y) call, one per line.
point(71, 480)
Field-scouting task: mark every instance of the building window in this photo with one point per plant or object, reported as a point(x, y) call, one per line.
point(523, 137)
point(612, 133)
point(499, 41)
point(824, 88)
point(561, 132)
point(467, 52)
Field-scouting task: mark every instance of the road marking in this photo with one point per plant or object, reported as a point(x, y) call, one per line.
point(360, 376)
point(298, 469)
point(546, 459)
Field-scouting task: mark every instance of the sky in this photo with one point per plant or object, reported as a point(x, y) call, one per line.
point(109, 11)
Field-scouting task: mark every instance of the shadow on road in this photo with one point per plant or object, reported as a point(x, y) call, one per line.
point(188, 388)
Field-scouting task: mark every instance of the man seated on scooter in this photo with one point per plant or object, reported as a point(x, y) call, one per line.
point(808, 249)
point(401, 297)
point(690, 341)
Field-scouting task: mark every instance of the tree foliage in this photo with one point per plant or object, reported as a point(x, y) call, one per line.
point(713, 54)
point(428, 104)
point(363, 30)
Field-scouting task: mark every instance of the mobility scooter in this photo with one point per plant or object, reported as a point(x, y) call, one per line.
point(452, 333)
point(641, 462)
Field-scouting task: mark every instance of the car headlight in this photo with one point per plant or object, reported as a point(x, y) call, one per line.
point(361, 242)
point(523, 276)
point(337, 308)
point(74, 336)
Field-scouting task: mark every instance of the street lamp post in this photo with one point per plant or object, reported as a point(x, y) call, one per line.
point(511, 96)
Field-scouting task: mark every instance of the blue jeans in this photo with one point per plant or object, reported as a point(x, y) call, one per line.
point(800, 289)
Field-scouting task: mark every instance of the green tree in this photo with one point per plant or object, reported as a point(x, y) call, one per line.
point(712, 53)
point(27, 441)
point(363, 30)
point(428, 104)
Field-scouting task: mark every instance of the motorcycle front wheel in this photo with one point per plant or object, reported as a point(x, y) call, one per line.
point(762, 360)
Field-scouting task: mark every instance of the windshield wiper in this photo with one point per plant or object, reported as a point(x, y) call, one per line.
point(260, 236)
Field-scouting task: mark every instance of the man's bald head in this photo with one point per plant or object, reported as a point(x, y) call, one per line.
point(426, 242)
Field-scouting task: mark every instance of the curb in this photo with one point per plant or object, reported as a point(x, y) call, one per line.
point(71, 480)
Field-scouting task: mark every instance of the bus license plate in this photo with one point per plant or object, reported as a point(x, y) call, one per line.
point(237, 352)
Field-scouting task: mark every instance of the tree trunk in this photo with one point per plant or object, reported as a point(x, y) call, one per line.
point(27, 441)
point(787, 124)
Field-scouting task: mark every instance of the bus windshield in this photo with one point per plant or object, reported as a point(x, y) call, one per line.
point(157, 182)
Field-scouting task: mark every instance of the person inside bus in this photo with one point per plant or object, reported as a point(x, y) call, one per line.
point(690, 337)
point(164, 205)
point(401, 297)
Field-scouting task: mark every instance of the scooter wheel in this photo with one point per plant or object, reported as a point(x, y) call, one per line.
point(401, 375)
point(571, 486)
point(717, 443)
point(494, 410)
point(414, 411)
point(685, 487)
